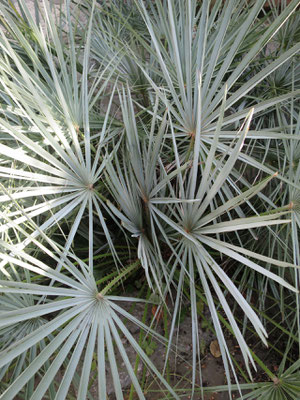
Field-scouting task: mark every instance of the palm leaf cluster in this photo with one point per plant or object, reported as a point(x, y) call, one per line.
point(152, 138)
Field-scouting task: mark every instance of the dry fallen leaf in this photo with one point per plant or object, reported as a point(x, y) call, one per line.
point(157, 315)
point(215, 349)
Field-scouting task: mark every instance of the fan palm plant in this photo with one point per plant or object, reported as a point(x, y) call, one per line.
point(144, 134)
point(280, 154)
point(80, 322)
point(52, 134)
point(284, 386)
point(163, 214)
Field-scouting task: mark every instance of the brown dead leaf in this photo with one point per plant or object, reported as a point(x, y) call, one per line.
point(215, 349)
point(157, 315)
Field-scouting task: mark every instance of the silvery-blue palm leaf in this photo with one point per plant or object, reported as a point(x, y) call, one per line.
point(71, 322)
point(52, 157)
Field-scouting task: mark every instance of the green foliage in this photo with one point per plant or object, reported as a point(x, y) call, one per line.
point(147, 144)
